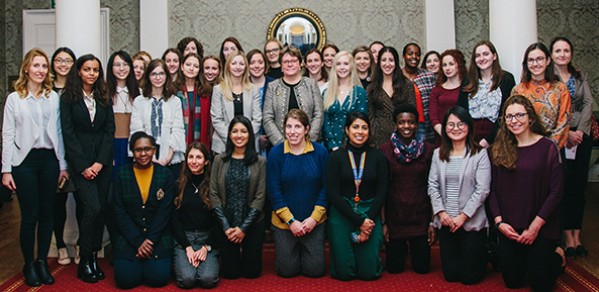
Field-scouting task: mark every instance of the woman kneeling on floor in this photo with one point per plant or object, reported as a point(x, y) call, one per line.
point(143, 195)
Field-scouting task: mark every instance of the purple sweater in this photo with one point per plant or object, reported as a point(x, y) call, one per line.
point(534, 188)
point(408, 207)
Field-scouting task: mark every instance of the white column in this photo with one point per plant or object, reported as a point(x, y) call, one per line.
point(440, 25)
point(512, 31)
point(153, 26)
point(78, 26)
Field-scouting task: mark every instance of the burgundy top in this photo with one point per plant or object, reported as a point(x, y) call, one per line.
point(440, 101)
point(408, 207)
point(534, 188)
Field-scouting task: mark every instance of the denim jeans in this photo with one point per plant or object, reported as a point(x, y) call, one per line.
point(188, 276)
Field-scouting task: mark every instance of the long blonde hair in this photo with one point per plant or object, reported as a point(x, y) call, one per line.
point(23, 81)
point(331, 94)
point(227, 84)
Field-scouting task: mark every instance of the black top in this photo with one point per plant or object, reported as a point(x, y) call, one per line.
point(193, 215)
point(292, 98)
point(340, 181)
point(238, 104)
point(275, 73)
point(366, 81)
point(237, 182)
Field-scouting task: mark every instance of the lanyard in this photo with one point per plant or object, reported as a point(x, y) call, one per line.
point(358, 173)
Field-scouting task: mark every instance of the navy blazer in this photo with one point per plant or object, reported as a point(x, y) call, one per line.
point(138, 221)
point(86, 142)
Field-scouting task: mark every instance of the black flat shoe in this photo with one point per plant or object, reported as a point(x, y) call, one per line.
point(97, 271)
point(41, 266)
point(571, 253)
point(30, 274)
point(85, 272)
point(581, 251)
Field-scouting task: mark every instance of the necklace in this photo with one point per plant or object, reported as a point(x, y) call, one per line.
point(195, 187)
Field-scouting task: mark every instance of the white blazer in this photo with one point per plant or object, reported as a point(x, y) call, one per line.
point(173, 130)
point(19, 131)
point(222, 111)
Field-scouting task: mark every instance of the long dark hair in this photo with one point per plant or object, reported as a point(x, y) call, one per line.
point(168, 90)
point(549, 73)
point(446, 144)
point(324, 74)
point(181, 82)
point(185, 41)
point(185, 176)
point(400, 82)
point(222, 46)
point(58, 51)
point(474, 73)
point(571, 69)
point(251, 155)
point(74, 86)
point(131, 82)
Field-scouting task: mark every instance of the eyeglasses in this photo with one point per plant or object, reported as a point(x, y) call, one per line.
point(276, 50)
point(460, 125)
point(290, 62)
point(538, 60)
point(157, 74)
point(518, 116)
point(143, 149)
point(120, 65)
point(63, 61)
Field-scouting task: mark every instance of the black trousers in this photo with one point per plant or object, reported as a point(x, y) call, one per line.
point(463, 255)
point(36, 179)
point(577, 172)
point(245, 259)
point(60, 216)
point(420, 254)
point(93, 198)
point(539, 261)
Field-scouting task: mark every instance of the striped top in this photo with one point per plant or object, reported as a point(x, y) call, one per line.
point(452, 187)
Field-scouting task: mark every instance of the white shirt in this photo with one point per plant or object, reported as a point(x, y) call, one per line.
point(41, 110)
point(90, 103)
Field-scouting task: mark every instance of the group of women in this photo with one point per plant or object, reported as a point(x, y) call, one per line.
point(199, 149)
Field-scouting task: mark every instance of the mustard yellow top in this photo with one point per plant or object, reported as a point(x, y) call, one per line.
point(144, 180)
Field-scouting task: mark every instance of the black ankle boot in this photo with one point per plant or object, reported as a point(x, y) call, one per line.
point(85, 272)
point(30, 274)
point(41, 266)
point(97, 271)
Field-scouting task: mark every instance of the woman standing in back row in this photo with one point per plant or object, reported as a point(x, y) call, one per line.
point(577, 169)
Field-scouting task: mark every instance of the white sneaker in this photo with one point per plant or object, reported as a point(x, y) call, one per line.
point(76, 259)
point(63, 256)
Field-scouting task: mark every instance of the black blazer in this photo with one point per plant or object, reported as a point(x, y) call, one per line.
point(85, 142)
point(505, 85)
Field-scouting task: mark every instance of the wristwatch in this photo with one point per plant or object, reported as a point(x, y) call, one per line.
point(208, 248)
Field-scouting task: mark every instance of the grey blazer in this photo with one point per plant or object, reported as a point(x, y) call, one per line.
point(475, 184)
point(222, 111)
point(582, 105)
point(256, 195)
point(276, 106)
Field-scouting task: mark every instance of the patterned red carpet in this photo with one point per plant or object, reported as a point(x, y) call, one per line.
point(574, 279)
